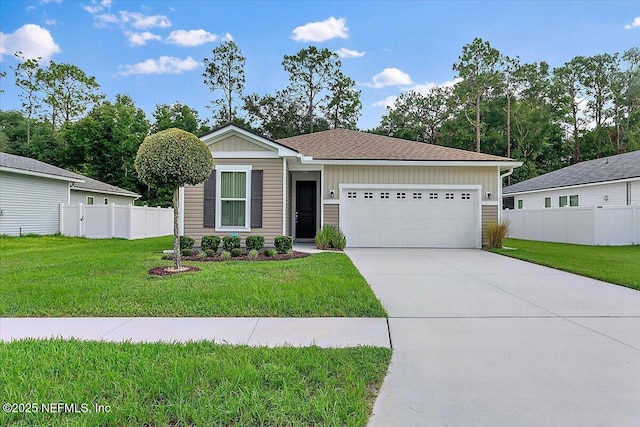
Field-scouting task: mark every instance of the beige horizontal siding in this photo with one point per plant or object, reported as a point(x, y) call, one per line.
point(489, 214)
point(235, 143)
point(332, 214)
point(271, 202)
point(467, 175)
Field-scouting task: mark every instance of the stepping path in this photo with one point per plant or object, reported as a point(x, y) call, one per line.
point(253, 331)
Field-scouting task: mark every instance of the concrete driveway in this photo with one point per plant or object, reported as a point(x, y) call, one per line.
point(484, 340)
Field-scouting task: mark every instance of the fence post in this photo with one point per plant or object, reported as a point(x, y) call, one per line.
point(129, 222)
point(61, 219)
point(594, 211)
point(112, 217)
point(634, 222)
point(81, 220)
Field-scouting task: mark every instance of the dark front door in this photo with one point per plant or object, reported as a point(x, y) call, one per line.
point(305, 209)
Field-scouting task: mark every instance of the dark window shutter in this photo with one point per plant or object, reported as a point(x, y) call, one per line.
point(210, 201)
point(256, 199)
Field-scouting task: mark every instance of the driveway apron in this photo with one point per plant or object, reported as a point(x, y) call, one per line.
point(484, 340)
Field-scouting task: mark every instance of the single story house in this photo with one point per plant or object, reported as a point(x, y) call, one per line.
point(380, 191)
point(31, 193)
point(609, 181)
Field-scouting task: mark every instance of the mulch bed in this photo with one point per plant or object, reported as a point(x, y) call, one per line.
point(168, 271)
point(261, 257)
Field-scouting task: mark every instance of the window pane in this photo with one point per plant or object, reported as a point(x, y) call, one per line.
point(562, 201)
point(233, 213)
point(547, 202)
point(520, 204)
point(573, 201)
point(233, 185)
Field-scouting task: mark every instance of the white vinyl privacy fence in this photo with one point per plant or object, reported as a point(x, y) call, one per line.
point(607, 225)
point(106, 221)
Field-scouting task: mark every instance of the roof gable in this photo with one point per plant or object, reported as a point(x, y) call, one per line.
point(343, 144)
point(231, 138)
point(613, 168)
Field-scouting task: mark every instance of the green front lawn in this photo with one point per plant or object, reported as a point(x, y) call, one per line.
point(613, 264)
point(60, 276)
point(194, 384)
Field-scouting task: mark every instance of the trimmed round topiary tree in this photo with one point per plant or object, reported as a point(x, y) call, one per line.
point(170, 159)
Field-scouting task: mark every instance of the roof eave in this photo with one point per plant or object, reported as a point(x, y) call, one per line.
point(39, 174)
point(503, 164)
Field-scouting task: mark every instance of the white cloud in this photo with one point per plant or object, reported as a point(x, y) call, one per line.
point(105, 19)
point(387, 102)
point(191, 38)
point(634, 24)
point(348, 53)
point(96, 6)
point(162, 65)
point(321, 31)
point(50, 22)
point(30, 39)
point(50, 1)
point(140, 21)
point(425, 88)
point(140, 39)
point(228, 37)
point(390, 77)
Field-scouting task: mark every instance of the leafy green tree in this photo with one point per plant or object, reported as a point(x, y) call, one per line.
point(478, 69)
point(67, 92)
point(344, 106)
point(418, 117)
point(312, 72)
point(170, 159)
point(26, 73)
point(225, 72)
point(178, 116)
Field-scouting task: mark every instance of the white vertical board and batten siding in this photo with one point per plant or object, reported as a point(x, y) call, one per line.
point(442, 175)
point(272, 201)
point(30, 204)
point(235, 143)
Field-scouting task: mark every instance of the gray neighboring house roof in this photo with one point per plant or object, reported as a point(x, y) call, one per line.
point(19, 164)
point(613, 168)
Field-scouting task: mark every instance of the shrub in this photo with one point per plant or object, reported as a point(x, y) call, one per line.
point(330, 236)
point(210, 253)
point(283, 244)
point(202, 254)
point(186, 242)
point(253, 254)
point(226, 254)
point(254, 242)
point(270, 253)
point(236, 252)
point(186, 252)
point(230, 242)
point(210, 243)
point(496, 233)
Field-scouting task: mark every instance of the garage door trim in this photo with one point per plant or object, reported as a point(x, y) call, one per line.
point(344, 187)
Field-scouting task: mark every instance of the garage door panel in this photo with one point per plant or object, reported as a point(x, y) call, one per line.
point(410, 218)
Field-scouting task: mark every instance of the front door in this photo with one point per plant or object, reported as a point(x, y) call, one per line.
point(305, 209)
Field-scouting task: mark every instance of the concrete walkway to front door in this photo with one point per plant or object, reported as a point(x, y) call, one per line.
point(484, 340)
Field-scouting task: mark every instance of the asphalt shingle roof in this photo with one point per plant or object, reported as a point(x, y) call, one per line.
point(26, 164)
point(343, 144)
point(620, 166)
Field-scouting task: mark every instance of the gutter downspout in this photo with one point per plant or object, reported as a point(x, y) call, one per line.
point(502, 177)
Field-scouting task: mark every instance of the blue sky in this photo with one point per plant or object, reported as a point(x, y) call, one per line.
point(153, 50)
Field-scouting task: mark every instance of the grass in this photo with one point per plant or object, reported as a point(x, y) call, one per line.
point(57, 276)
point(614, 264)
point(193, 384)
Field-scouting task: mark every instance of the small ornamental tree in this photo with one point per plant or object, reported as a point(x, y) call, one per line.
point(170, 159)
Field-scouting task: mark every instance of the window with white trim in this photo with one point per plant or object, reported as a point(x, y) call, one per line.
point(433, 196)
point(448, 196)
point(368, 195)
point(106, 201)
point(573, 200)
point(89, 200)
point(384, 195)
point(233, 197)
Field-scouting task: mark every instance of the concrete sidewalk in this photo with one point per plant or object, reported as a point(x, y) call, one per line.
point(253, 331)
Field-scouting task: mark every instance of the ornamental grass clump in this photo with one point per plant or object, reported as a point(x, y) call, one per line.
point(330, 237)
point(496, 233)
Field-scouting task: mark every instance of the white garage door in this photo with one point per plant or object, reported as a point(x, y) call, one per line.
point(411, 217)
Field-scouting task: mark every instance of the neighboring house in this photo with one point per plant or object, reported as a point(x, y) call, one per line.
point(380, 191)
point(610, 181)
point(31, 193)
